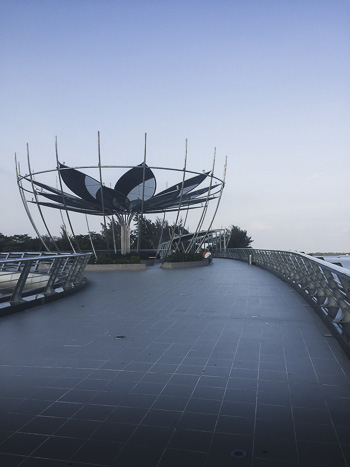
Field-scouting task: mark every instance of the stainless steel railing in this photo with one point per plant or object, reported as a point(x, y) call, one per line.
point(325, 286)
point(28, 277)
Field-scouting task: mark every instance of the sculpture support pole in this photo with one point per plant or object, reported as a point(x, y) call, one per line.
point(66, 232)
point(25, 204)
point(113, 231)
point(140, 217)
point(63, 198)
point(125, 234)
point(217, 206)
point(205, 208)
point(138, 233)
point(182, 230)
point(92, 243)
point(161, 236)
point(178, 211)
point(130, 218)
point(128, 239)
point(102, 201)
point(37, 201)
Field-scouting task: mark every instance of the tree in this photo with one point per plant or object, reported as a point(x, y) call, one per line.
point(63, 242)
point(239, 238)
point(19, 242)
point(150, 233)
point(2, 242)
point(153, 232)
point(111, 235)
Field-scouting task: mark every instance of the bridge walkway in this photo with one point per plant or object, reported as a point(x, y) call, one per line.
point(210, 367)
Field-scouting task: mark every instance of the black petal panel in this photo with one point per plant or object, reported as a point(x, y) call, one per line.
point(131, 184)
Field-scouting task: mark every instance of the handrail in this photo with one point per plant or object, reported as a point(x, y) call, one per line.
point(325, 286)
point(29, 277)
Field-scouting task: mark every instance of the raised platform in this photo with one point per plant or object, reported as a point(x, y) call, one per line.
point(116, 267)
point(185, 264)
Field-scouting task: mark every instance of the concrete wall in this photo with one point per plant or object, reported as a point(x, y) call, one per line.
point(115, 267)
point(186, 264)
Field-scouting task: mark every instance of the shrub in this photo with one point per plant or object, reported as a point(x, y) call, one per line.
point(102, 259)
point(134, 259)
point(115, 258)
point(183, 257)
point(147, 254)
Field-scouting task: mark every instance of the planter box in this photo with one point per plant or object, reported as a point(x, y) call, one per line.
point(185, 264)
point(115, 267)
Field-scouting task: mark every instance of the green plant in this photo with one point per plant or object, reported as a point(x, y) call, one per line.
point(147, 254)
point(183, 257)
point(134, 259)
point(103, 259)
point(115, 258)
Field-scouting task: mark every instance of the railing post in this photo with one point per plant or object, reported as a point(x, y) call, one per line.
point(81, 263)
point(54, 270)
point(69, 280)
point(75, 272)
point(17, 293)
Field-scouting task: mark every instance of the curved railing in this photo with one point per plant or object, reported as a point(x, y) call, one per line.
point(27, 279)
point(324, 285)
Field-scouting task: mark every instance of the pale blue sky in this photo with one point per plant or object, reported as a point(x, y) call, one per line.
point(266, 82)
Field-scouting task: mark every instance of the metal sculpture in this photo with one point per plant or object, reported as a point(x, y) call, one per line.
point(133, 195)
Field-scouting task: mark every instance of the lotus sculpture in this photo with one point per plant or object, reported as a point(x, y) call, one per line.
point(134, 194)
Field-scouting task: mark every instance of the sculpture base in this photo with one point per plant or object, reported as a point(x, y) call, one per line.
point(185, 264)
point(115, 267)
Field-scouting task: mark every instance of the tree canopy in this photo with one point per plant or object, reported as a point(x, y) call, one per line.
point(239, 238)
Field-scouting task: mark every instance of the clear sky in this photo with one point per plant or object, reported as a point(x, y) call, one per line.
point(266, 82)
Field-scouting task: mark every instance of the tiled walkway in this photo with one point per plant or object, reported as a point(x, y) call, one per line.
point(218, 366)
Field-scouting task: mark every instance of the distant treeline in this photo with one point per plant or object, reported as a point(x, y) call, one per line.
point(329, 254)
point(151, 233)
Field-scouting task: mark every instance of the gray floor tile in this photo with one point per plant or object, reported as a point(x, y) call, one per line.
point(196, 381)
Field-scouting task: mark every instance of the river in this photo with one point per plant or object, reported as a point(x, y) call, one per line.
point(338, 260)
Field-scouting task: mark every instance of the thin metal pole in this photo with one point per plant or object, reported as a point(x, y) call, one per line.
point(92, 244)
point(25, 204)
point(140, 217)
point(182, 230)
point(178, 211)
point(102, 201)
point(144, 175)
point(63, 198)
point(205, 208)
point(129, 218)
point(113, 231)
point(138, 233)
point(66, 232)
point(161, 236)
point(37, 201)
point(217, 206)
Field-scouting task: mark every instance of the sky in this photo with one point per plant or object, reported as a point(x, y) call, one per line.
point(265, 82)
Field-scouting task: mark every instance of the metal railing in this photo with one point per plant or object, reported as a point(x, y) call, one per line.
point(29, 278)
point(324, 285)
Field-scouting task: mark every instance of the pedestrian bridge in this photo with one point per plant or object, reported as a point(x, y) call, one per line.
point(225, 365)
